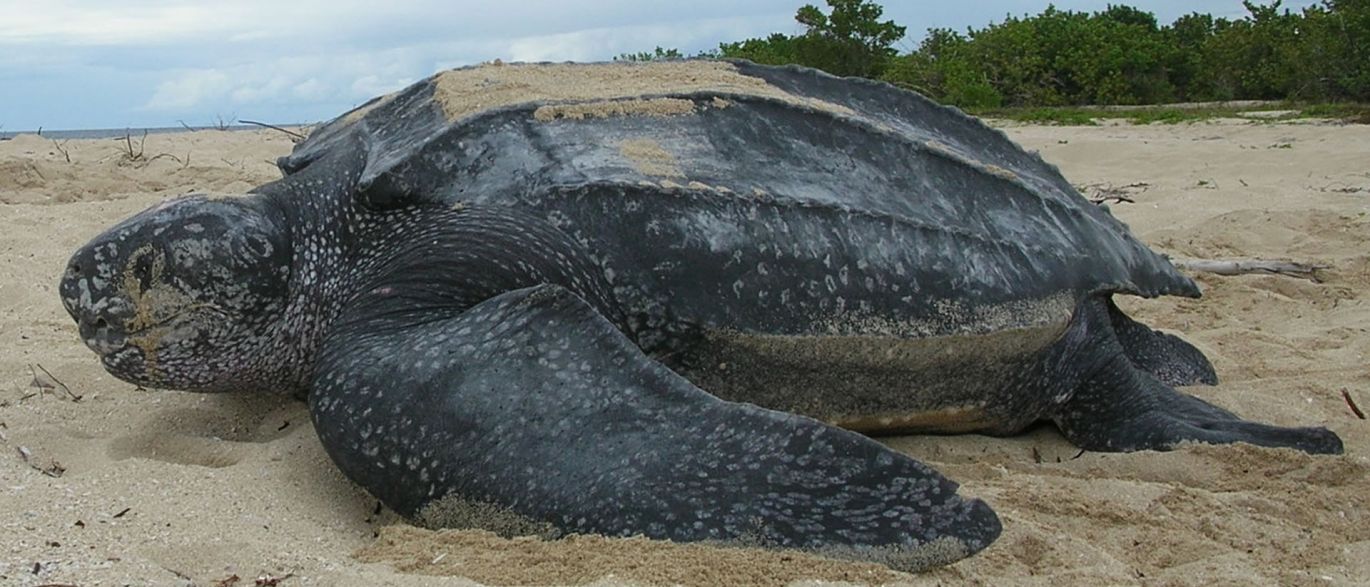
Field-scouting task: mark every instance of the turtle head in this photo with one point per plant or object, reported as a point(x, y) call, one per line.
point(185, 295)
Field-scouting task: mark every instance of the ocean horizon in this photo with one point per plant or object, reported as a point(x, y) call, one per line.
point(117, 133)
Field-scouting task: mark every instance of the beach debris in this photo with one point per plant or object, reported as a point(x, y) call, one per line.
point(1103, 193)
point(229, 581)
point(1343, 188)
point(1230, 267)
point(221, 123)
point(130, 154)
point(269, 580)
point(53, 468)
point(294, 136)
point(46, 380)
point(1355, 409)
point(61, 147)
point(122, 512)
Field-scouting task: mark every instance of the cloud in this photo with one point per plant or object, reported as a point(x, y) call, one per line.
point(189, 89)
point(340, 79)
point(150, 62)
point(603, 43)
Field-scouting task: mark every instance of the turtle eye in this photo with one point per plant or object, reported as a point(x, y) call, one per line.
point(142, 271)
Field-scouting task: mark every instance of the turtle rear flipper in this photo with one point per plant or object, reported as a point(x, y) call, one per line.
point(1165, 356)
point(532, 407)
point(1120, 407)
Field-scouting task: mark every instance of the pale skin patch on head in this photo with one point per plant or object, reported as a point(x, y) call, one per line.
point(144, 304)
point(650, 158)
point(152, 307)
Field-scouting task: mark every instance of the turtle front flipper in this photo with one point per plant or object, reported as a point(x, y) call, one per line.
point(1119, 406)
point(530, 412)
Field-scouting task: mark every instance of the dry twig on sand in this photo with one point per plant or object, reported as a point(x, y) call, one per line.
point(50, 381)
point(131, 154)
point(269, 580)
point(1102, 193)
point(54, 469)
point(294, 136)
point(1251, 266)
point(1355, 409)
point(62, 148)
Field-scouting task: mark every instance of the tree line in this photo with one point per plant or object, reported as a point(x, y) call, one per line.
point(1120, 55)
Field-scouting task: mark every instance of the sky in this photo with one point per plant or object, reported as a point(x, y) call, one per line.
point(88, 64)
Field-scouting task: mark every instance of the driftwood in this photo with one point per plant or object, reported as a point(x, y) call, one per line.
point(1250, 266)
point(1104, 193)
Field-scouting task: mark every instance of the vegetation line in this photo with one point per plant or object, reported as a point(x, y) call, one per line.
point(1118, 56)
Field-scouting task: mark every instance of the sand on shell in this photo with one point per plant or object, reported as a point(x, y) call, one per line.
point(168, 488)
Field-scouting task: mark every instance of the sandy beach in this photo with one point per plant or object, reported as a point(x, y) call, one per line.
point(125, 486)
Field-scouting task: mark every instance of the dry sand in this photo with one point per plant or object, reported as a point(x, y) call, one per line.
point(168, 488)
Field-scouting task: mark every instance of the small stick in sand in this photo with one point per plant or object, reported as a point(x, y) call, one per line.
point(54, 468)
point(269, 580)
point(52, 382)
point(294, 136)
point(1250, 266)
point(1103, 193)
point(62, 148)
point(229, 581)
point(1115, 198)
point(1355, 409)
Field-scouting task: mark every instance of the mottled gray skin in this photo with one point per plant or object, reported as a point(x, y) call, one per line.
point(504, 314)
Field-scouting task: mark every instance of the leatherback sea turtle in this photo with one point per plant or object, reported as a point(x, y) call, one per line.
point(657, 299)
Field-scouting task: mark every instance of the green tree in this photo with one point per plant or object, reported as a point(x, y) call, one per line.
point(849, 40)
point(657, 54)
